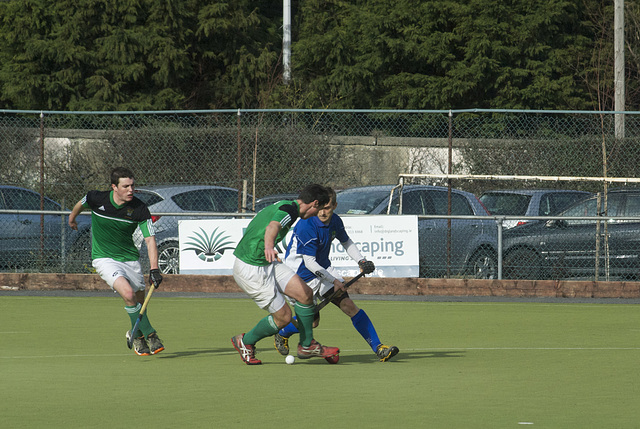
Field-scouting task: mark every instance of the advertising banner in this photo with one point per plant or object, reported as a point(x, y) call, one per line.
point(391, 242)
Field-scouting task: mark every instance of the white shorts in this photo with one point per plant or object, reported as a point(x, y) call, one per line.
point(110, 270)
point(321, 286)
point(265, 285)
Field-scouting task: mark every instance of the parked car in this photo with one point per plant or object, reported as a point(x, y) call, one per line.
point(270, 199)
point(529, 202)
point(22, 236)
point(565, 248)
point(179, 199)
point(473, 241)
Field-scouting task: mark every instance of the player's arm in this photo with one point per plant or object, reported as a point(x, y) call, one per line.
point(366, 267)
point(270, 235)
point(320, 272)
point(152, 250)
point(77, 209)
point(148, 233)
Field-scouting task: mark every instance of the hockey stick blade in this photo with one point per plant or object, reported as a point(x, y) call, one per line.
point(142, 310)
point(333, 294)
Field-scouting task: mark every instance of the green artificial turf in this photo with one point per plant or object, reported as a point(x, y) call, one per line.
point(64, 364)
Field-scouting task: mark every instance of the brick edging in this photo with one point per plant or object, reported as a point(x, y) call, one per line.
point(366, 286)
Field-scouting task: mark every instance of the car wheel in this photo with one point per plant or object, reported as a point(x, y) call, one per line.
point(522, 264)
point(483, 265)
point(169, 258)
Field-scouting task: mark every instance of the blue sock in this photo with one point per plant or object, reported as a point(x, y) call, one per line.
point(363, 325)
point(289, 330)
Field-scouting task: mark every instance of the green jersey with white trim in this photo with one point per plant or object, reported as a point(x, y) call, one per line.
point(112, 226)
point(250, 249)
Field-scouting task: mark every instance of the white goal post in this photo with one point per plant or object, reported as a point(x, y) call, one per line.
point(516, 177)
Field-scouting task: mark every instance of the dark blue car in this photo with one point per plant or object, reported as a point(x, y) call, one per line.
point(26, 242)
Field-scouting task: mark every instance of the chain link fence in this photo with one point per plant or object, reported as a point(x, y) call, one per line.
point(230, 160)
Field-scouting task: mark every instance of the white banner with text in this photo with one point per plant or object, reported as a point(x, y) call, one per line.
point(391, 242)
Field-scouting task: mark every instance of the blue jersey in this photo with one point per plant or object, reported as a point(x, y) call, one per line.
point(312, 237)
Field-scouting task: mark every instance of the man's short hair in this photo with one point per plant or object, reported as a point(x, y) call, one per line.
point(120, 173)
point(313, 192)
point(332, 194)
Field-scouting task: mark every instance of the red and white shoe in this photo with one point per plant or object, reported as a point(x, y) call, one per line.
point(317, 350)
point(247, 351)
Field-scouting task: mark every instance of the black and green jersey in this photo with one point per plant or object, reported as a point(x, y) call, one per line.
point(250, 249)
point(113, 225)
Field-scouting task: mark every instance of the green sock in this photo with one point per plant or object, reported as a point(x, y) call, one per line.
point(305, 315)
point(265, 328)
point(144, 328)
point(134, 312)
point(145, 325)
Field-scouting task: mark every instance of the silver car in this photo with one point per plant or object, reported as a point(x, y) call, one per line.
point(180, 199)
point(473, 241)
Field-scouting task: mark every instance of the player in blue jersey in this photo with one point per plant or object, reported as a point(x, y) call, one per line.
point(308, 255)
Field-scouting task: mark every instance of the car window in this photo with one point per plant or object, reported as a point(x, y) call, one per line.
point(440, 204)
point(207, 200)
point(586, 208)
point(360, 201)
point(506, 204)
point(19, 199)
point(149, 198)
point(413, 203)
point(555, 202)
point(633, 205)
point(590, 208)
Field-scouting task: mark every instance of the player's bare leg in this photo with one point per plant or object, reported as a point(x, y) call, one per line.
point(305, 312)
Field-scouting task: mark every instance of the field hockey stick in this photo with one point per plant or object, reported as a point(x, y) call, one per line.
point(142, 310)
point(333, 293)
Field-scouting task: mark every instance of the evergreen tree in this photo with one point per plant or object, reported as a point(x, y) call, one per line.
point(441, 54)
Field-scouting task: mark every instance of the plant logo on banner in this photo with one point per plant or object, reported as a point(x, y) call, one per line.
point(209, 248)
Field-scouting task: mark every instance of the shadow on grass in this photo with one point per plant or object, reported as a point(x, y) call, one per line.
point(400, 357)
point(196, 352)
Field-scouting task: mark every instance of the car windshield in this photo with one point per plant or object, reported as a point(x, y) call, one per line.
point(360, 201)
point(506, 204)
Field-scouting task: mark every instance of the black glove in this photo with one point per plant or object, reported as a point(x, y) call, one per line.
point(155, 277)
point(366, 267)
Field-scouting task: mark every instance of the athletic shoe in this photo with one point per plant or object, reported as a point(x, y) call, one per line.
point(139, 345)
point(281, 343)
point(247, 351)
point(385, 353)
point(316, 350)
point(155, 345)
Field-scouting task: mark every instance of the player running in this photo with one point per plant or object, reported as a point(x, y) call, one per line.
point(308, 254)
point(261, 274)
point(115, 215)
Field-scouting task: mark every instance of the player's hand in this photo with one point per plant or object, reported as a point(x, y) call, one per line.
point(271, 255)
point(155, 277)
point(73, 224)
point(338, 286)
point(366, 267)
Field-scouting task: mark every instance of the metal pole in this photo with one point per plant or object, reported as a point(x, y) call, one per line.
point(286, 41)
point(618, 42)
point(449, 171)
point(499, 222)
point(239, 163)
point(41, 190)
